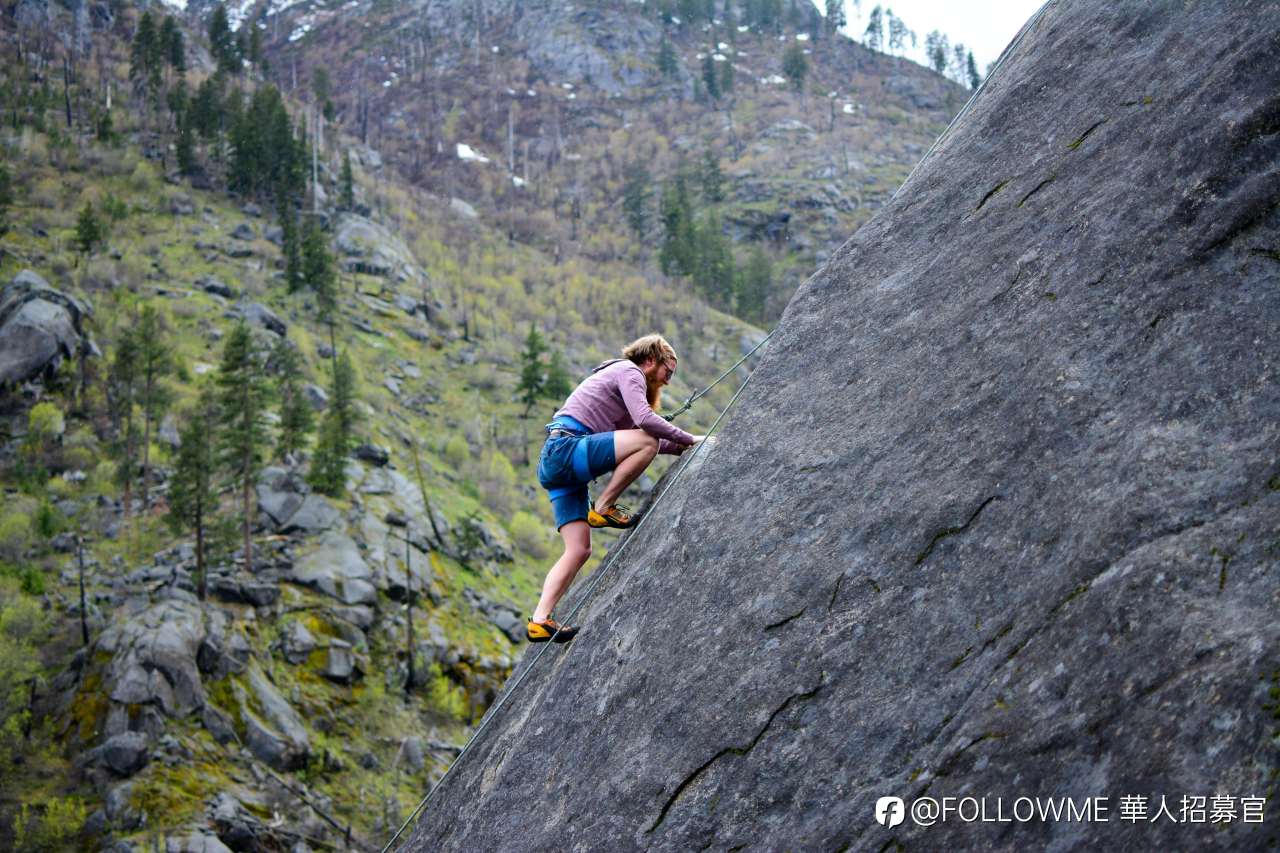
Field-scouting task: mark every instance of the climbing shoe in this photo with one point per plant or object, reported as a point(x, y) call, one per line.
point(614, 516)
point(540, 632)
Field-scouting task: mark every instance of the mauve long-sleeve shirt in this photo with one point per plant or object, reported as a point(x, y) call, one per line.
point(614, 398)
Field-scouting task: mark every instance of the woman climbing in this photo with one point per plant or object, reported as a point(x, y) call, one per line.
point(607, 424)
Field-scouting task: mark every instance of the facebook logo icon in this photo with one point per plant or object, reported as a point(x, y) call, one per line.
point(890, 811)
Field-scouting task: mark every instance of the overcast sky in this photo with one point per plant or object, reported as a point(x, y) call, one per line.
point(984, 26)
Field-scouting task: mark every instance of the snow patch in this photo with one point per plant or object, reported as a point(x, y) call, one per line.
point(722, 46)
point(775, 79)
point(849, 109)
point(466, 152)
point(517, 180)
point(744, 29)
point(720, 57)
point(802, 36)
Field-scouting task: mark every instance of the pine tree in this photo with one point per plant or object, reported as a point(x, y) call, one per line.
point(835, 16)
point(794, 66)
point(668, 66)
point(557, 385)
point(936, 48)
point(753, 286)
point(90, 231)
point(709, 77)
point(714, 273)
point(711, 177)
point(222, 42)
point(899, 33)
point(291, 247)
point(146, 53)
point(173, 45)
point(678, 252)
point(155, 363)
point(193, 497)
point(297, 420)
point(971, 70)
point(873, 35)
point(319, 275)
point(122, 395)
point(637, 194)
point(337, 429)
point(532, 385)
point(347, 193)
point(243, 394)
point(726, 77)
point(959, 57)
point(186, 146)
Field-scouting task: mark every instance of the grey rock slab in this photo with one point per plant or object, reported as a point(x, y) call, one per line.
point(336, 568)
point(274, 731)
point(316, 513)
point(983, 487)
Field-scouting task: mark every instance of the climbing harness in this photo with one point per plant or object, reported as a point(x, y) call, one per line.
point(591, 586)
point(694, 398)
point(1026, 28)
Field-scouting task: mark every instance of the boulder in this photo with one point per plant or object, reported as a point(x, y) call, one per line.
point(1003, 493)
point(370, 248)
point(340, 665)
point(257, 314)
point(153, 658)
point(373, 454)
point(336, 568)
point(463, 209)
point(316, 396)
point(125, 753)
point(39, 327)
point(213, 285)
point(280, 494)
point(298, 642)
point(236, 827)
point(243, 231)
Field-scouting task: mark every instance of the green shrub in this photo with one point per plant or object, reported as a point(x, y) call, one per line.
point(530, 534)
point(15, 534)
point(456, 452)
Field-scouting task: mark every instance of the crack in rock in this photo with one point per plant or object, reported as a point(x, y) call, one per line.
point(732, 750)
point(951, 531)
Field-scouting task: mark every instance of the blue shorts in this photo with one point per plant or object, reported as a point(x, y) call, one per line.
point(568, 463)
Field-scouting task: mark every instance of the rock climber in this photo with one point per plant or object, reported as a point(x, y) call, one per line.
point(607, 424)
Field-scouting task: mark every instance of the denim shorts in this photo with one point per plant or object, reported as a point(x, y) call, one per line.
point(568, 463)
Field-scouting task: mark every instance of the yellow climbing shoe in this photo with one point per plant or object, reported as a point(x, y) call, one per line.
point(614, 516)
point(549, 629)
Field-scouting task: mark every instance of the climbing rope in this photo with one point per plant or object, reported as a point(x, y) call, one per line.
point(694, 398)
point(586, 596)
point(1026, 28)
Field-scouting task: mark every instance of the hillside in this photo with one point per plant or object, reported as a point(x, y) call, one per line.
point(1007, 516)
point(318, 689)
point(563, 100)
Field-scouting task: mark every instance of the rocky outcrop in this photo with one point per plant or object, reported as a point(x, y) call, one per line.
point(153, 658)
point(336, 568)
point(1005, 500)
point(368, 247)
point(39, 327)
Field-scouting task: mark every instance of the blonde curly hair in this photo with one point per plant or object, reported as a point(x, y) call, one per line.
point(650, 348)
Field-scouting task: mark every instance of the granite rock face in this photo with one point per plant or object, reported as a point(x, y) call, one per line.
point(1005, 491)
